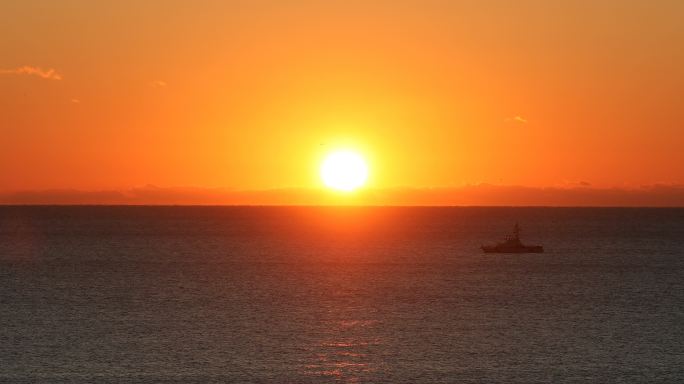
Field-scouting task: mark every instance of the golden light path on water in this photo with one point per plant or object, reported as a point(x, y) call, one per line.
point(346, 340)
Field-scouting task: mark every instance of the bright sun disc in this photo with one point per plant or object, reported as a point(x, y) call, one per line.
point(344, 170)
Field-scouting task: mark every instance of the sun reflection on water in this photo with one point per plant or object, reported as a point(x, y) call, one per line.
point(346, 357)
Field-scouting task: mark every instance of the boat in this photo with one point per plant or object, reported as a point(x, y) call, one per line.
point(512, 244)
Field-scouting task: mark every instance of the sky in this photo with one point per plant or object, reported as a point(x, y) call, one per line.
point(228, 98)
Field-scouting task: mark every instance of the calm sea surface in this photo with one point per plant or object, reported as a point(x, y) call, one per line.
point(327, 295)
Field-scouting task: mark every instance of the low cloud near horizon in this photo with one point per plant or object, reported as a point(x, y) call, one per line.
point(48, 74)
point(474, 195)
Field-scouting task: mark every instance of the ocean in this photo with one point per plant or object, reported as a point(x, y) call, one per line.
point(339, 295)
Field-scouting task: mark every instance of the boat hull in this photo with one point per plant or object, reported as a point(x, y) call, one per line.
point(522, 249)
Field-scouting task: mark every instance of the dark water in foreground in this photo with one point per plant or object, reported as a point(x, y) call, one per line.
point(370, 295)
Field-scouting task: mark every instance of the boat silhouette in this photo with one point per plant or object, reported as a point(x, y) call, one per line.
point(512, 244)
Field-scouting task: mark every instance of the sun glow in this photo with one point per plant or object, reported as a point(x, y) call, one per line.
point(344, 170)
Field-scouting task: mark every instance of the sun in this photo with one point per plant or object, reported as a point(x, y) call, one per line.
point(344, 170)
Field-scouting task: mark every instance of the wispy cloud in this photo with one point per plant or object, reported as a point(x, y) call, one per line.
point(516, 119)
point(48, 74)
point(158, 83)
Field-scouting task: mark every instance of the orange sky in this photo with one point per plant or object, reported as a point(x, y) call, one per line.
point(250, 95)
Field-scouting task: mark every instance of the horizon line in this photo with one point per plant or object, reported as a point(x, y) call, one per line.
point(38, 205)
point(483, 195)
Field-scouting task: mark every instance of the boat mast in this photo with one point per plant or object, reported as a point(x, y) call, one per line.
point(516, 231)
